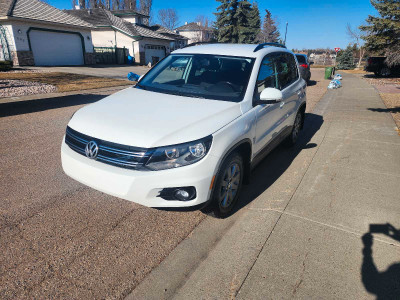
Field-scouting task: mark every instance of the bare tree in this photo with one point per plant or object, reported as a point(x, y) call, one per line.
point(130, 4)
point(145, 8)
point(168, 17)
point(203, 20)
point(355, 36)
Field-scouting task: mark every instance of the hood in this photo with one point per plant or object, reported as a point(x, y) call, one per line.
point(147, 119)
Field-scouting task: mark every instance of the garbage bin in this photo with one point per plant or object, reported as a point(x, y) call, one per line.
point(328, 72)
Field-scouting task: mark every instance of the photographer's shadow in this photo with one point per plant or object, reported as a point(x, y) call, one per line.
point(386, 284)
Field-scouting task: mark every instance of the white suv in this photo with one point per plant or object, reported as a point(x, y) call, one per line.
point(190, 131)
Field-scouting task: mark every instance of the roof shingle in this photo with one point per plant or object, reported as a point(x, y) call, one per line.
point(39, 11)
point(100, 17)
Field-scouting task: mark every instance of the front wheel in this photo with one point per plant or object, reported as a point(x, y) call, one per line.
point(228, 185)
point(294, 134)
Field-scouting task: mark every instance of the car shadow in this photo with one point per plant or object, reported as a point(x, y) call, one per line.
point(384, 284)
point(391, 110)
point(31, 106)
point(277, 162)
point(312, 83)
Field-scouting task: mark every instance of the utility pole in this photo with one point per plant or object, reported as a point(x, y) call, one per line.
point(285, 33)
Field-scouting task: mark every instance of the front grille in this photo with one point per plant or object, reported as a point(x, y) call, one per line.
point(109, 153)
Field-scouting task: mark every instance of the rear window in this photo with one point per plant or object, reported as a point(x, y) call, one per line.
point(301, 59)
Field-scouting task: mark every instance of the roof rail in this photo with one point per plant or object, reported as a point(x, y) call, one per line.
point(261, 46)
point(199, 43)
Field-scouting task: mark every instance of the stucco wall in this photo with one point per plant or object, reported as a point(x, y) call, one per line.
point(104, 38)
point(193, 36)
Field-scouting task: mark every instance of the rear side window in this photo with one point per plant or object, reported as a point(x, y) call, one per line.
point(287, 70)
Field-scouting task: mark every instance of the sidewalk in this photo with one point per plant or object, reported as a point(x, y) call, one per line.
point(299, 231)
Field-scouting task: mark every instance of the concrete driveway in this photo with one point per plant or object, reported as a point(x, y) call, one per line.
point(110, 71)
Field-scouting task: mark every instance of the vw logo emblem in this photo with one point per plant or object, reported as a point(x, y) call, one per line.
point(91, 150)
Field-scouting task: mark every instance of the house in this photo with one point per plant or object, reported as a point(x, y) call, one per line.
point(195, 32)
point(126, 29)
point(179, 40)
point(35, 33)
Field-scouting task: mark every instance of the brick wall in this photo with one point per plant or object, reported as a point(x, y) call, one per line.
point(23, 58)
point(90, 59)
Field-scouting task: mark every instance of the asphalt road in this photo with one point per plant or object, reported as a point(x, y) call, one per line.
point(58, 238)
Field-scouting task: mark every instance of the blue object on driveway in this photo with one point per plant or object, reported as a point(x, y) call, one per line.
point(133, 77)
point(131, 60)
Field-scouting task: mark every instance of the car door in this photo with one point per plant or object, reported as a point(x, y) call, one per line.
point(268, 116)
point(292, 87)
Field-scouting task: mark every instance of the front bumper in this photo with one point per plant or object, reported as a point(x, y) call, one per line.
point(141, 187)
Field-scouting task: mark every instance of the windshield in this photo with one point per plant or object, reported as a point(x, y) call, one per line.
point(199, 75)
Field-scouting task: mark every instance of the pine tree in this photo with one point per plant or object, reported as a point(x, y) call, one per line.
point(382, 34)
point(345, 61)
point(243, 14)
point(269, 32)
point(226, 24)
point(255, 23)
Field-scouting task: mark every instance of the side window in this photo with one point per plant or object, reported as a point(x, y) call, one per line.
point(287, 70)
point(267, 77)
point(293, 68)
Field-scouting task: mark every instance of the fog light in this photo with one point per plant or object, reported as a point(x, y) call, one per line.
point(181, 195)
point(185, 193)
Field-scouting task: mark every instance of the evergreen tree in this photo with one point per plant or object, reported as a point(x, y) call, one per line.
point(269, 32)
point(255, 23)
point(226, 24)
point(243, 15)
point(382, 34)
point(345, 61)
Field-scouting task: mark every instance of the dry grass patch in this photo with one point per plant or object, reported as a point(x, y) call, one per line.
point(66, 82)
point(392, 102)
point(355, 71)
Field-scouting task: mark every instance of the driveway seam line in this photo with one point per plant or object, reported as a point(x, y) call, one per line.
point(337, 227)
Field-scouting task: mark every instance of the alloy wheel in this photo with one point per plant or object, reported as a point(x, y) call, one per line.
point(229, 185)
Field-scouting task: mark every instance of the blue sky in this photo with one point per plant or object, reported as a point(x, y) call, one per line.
point(312, 23)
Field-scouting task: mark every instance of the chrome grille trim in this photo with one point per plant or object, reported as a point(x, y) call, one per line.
point(109, 153)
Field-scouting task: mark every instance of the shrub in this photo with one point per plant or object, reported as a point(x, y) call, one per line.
point(6, 65)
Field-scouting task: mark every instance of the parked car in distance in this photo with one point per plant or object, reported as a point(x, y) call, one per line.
point(189, 132)
point(304, 65)
point(377, 65)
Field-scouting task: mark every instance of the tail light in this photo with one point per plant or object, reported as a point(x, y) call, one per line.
point(304, 66)
point(370, 61)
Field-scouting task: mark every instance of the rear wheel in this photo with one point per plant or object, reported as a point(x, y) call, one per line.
point(227, 186)
point(294, 134)
point(385, 72)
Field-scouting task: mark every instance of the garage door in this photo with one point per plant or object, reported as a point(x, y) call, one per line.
point(56, 48)
point(154, 54)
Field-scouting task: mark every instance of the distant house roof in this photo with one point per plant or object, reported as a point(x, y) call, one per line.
point(38, 11)
point(165, 31)
point(100, 17)
point(129, 12)
point(191, 27)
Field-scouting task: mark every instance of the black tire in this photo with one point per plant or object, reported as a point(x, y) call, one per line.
point(228, 185)
point(385, 72)
point(294, 134)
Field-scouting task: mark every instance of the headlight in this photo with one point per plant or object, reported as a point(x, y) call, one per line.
point(179, 155)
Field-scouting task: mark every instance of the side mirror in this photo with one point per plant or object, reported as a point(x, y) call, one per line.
point(270, 96)
point(133, 77)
